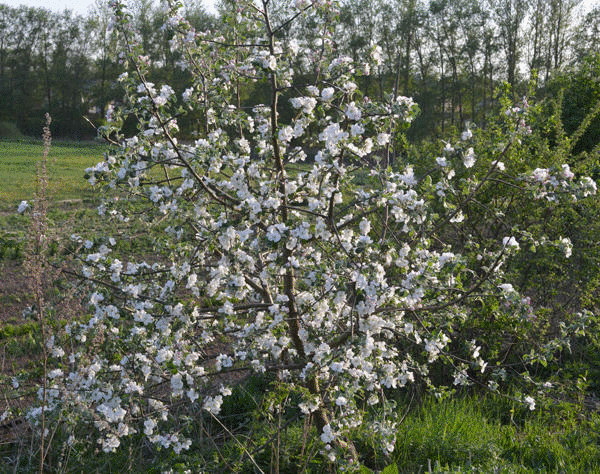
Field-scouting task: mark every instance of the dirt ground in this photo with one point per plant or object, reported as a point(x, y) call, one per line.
point(15, 294)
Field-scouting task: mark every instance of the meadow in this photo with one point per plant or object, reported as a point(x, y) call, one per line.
point(66, 162)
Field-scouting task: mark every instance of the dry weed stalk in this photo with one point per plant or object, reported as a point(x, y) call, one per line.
point(36, 264)
point(44, 273)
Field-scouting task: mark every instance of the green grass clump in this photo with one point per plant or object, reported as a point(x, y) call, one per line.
point(11, 331)
point(453, 433)
point(66, 165)
point(470, 434)
point(11, 246)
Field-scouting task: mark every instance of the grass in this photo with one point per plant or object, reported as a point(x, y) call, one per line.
point(474, 434)
point(66, 164)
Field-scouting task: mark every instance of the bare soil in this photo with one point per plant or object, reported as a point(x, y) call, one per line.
point(15, 294)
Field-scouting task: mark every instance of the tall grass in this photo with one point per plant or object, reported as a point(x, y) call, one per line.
point(487, 434)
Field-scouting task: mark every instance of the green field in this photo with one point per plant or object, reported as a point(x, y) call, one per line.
point(66, 164)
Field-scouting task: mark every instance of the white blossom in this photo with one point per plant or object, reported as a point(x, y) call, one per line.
point(469, 158)
point(23, 207)
point(530, 402)
point(328, 435)
point(511, 242)
point(327, 93)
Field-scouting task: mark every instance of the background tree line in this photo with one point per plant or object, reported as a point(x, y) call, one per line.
point(449, 55)
point(68, 64)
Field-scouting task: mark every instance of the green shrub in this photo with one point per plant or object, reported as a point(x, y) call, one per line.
point(9, 130)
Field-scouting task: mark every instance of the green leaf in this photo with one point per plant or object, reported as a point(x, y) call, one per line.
point(391, 469)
